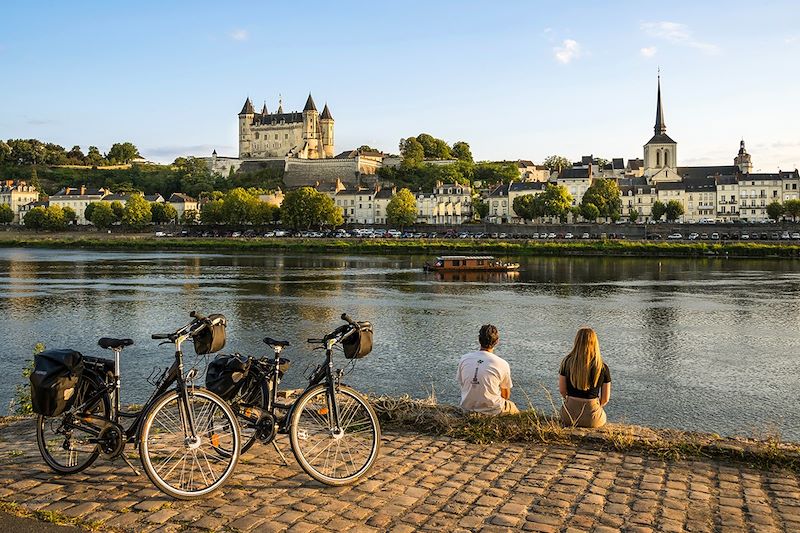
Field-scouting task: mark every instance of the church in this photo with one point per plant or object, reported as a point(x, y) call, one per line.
point(303, 134)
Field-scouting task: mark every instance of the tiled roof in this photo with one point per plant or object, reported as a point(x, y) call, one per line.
point(704, 172)
point(661, 138)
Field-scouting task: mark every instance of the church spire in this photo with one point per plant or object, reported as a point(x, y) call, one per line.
point(310, 104)
point(660, 128)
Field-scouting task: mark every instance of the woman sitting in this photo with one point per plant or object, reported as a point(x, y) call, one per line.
point(584, 383)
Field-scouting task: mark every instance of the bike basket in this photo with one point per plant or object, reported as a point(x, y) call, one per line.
point(226, 374)
point(359, 344)
point(54, 381)
point(210, 339)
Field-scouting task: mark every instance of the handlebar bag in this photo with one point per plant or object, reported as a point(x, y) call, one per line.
point(54, 381)
point(226, 374)
point(210, 339)
point(358, 344)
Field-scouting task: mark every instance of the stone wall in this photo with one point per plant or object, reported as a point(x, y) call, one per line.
point(309, 172)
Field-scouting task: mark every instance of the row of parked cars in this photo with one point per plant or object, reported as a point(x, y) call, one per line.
point(715, 236)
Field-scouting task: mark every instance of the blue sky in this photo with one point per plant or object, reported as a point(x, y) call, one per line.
point(514, 79)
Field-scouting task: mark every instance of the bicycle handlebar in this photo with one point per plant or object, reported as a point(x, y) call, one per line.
point(338, 331)
point(349, 320)
point(193, 327)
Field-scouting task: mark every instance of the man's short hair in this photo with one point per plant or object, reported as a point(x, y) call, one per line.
point(488, 336)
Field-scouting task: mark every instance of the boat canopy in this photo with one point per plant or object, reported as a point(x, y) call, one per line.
point(464, 257)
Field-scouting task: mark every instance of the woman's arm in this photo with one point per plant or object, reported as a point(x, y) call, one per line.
point(505, 393)
point(605, 393)
point(562, 386)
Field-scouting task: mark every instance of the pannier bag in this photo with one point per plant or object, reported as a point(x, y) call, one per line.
point(226, 374)
point(54, 381)
point(359, 344)
point(211, 338)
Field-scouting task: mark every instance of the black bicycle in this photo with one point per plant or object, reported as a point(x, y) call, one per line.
point(178, 431)
point(334, 432)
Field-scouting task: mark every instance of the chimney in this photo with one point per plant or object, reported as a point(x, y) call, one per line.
point(83, 190)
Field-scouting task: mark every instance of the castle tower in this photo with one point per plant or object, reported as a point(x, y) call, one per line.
point(311, 130)
point(742, 160)
point(661, 151)
point(246, 116)
point(326, 123)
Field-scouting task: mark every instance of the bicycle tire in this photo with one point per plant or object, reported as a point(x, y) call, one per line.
point(65, 443)
point(361, 433)
point(151, 441)
point(246, 426)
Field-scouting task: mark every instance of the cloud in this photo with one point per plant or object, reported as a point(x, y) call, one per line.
point(239, 35)
point(789, 40)
point(569, 50)
point(40, 121)
point(649, 51)
point(678, 34)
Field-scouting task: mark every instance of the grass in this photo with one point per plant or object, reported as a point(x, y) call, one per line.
point(53, 517)
point(406, 246)
point(533, 425)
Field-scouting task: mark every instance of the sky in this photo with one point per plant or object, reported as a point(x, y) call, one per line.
point(514, 79)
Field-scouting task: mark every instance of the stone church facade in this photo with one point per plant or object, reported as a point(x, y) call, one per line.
point(303, 134)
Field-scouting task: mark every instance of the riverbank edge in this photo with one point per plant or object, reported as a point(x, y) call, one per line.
point(618, 248)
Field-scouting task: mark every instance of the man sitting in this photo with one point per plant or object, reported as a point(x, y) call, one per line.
point(485, 378)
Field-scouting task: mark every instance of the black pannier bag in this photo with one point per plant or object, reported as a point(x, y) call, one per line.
point(358, 344)
point(226, 374)
point(54, 381)
point(211, 338)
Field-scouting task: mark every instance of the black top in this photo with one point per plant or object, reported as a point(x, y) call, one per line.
point(605, 377)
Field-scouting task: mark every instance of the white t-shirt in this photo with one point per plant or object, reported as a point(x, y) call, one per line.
point(481, 375)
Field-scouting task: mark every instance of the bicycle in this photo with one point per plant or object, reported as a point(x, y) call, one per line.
point(333, 431)
point(176, 432)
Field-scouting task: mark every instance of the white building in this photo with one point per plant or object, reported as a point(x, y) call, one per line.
point(16, 194)
point(78, 198)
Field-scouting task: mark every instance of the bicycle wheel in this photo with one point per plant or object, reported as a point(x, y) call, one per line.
point(334, 457)
point(188, 467)
point(248, 405)
point(65, 441)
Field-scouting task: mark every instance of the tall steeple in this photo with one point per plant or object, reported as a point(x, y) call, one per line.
point(264, 108)
point(310, 104)
point(247, 108)
point(326, 113)
point(660, 127)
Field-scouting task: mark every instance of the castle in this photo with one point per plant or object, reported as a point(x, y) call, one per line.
point(304, 135)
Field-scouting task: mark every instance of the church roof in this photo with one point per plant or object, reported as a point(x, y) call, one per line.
point(247, 108)
point(661, 138)
point(660, 127)
point(326, 113)
point(705, 172)
point(310, 104)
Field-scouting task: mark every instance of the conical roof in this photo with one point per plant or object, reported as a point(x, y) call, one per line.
point(310, 104)
point(660, 128)
point(264, 109)
point(247, 108)
point(326, 113)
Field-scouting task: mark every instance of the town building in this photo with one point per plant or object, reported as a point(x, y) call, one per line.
point(449, 203)
point(183, 203)
point(16, 194)
point(78, 198)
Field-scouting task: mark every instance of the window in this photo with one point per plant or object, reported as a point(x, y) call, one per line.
point(276, 136)
point(256, 135)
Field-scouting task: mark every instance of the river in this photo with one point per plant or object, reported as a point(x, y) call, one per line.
point(699, 344)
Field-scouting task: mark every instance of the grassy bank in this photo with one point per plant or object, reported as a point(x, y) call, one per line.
point(407, 246)
point(531, 425)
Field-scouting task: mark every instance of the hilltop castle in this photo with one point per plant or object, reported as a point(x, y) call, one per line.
point(304, 135)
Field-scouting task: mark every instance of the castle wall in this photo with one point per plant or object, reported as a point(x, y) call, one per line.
point(275, 140)
point(309, 172)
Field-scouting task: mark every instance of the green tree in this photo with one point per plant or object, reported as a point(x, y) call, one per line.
point(557, 163)
point(35, 180)
point(122, 153)
point(605, 196)
point(261, 212)
point(306, 208)
point(555, 201)
point(527, 207)
point(792, 209)
point(674, 210)
point(462, 152)
point(433, 148)
point(102, 215)
point(496, 173)
point(34, 218)
point(367, 148)
point(119, 210)
point(213, 212)
point(189, 216)
point(70, 216)
point(75, 156)
point(137, 213)
point(54, 218)
point(412, 152)
point(479, 207)
point(5, 152)
point(194, 174)
point(402, 208)
point(658, 210)
point(633, 214)
point(87, 213)
point(94, 157)
point(589, 211)
point(6, 214)
point(238, 206)
point(163, 212)
point(775, 210)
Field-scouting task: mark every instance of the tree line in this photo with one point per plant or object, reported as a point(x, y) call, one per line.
point(34, 151)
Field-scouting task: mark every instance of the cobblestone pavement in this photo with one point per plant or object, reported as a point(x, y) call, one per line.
point(424, 483)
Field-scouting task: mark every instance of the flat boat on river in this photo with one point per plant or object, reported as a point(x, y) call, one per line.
point(469, 263)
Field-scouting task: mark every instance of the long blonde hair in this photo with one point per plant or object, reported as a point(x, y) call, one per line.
point(584, 363)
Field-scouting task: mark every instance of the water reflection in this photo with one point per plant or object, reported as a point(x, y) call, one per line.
point(702, 344)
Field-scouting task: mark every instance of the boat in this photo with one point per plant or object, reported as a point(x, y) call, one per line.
point(469, 263)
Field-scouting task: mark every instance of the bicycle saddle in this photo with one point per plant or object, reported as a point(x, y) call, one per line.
point(107, 342)
point(272, 342)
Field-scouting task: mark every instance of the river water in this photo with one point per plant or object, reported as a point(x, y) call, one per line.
point(699, 344)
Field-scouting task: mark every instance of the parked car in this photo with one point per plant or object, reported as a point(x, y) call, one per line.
point(551, 235)
point(503, 236)
point(775, 236)
point(654, 237)
point(785, 235)
point(715, 236)
point(795, 235)
point(585, 236)
point(157, 234)
point(745, 236)
point(693, 236)
point(675, 237)
point(569, 236)
point(704, 235)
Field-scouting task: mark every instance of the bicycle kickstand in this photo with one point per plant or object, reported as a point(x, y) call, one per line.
point(128, 462)
point(283, 457)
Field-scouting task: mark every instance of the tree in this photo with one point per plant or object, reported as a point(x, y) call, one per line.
point(122, 153)
point(261, 212)
point(54, 218)
point(526, 206)
point(137, 213)
point(367, 148)
point(479, 207)
point(402, 208)
point(412, 152)
point(306, 208)
point(238, 206)
point(433, 148)
point(792, 208)
point(5, 152)
point(34, 218)
point(35, 180)
point(87, 213)
point(94, 157)
point(189, 217)
point(589, 211)
point(674, 210)
point(119, 210)
point(70, 216)
point(775, 210)
point(163, 212)
point(212, 212)
point(6, 214)
point(633, 215)
point(462, 152)
point(555, 201)
point(658, 210)
point(605, 196)
point(557, 163)
point(496, 173)
point(194, 174)
point(75, 156)
point(102, 215)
